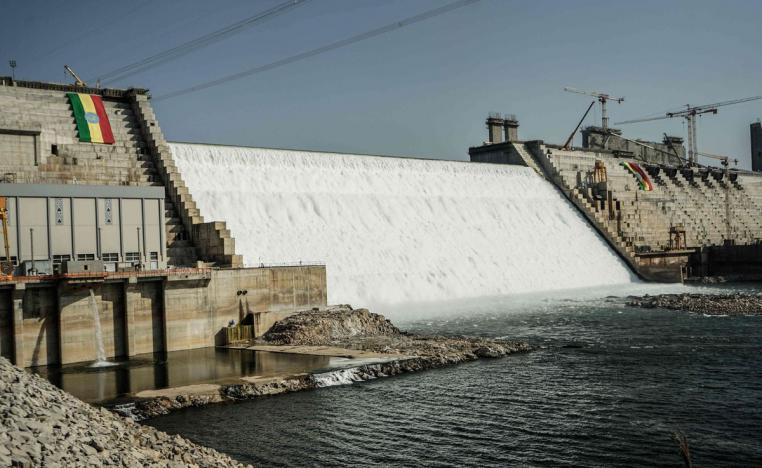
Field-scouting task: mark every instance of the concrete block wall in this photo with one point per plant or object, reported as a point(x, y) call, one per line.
point(41, 145)
point(190, 238)
point(196, 315)
point(637, 223)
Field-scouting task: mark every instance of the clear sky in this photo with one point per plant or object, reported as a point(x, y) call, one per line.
point(423, 90)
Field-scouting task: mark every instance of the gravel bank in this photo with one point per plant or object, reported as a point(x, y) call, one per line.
point(709, 304)
point(41, 425)
point(339, 327)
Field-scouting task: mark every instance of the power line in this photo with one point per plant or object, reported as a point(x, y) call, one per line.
point(190, 46)
point(311, 53)
point(89, 33)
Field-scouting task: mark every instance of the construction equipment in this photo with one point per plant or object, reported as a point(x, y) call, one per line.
point(603, 98)
point(77, 80)
point(689, 114)
point(724, 160)
point(6, 266)
point(574, 132)
point(672, 148)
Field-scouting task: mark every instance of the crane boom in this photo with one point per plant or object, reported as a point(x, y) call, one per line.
point(77, 79)
point(689, 114)
point(602, 98)
point(715, 105)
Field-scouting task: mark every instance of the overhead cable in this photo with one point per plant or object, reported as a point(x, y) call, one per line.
point(326, 48)
point(190, 46)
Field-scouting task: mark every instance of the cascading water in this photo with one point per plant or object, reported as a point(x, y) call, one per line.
point(100, 352)
point(395, 230)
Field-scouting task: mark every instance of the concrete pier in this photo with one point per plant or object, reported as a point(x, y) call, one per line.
point(48, 320)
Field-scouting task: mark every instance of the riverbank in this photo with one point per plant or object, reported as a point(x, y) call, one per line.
point(371, 347)
point(708, 304)
point(41, 425)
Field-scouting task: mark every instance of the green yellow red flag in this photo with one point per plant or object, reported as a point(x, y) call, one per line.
point(92, 122)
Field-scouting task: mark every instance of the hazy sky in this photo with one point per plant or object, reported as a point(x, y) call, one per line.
point(423, 90)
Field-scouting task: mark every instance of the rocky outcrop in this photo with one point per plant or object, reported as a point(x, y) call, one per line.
point(438, 354)
point(41, 425)
point(709, 304)
point(326, 326)
point(342, 329)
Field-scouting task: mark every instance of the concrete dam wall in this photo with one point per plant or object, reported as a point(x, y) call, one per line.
point(394, 230)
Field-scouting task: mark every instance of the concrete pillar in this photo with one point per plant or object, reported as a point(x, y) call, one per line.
point(495, 128)
point(145, 317)
point(17, 309)
point(511, 125)
point(6, 324)
point(36, 326)
point(756, 146)
point(77, 325)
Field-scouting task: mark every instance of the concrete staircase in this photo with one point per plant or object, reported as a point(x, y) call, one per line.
point(189, 238)
point(697, 201)
point(637, 223)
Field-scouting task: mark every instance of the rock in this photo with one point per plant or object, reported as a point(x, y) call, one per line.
point(485, 352)
point(709, 304)
point(348, 328)
point(41, 425)
point(320, 327)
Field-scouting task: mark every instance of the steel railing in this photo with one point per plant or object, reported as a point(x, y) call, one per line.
point(109, 274)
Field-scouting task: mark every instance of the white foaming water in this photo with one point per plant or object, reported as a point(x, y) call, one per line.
point(396, 230)
point(100, 352)
point(338, 377)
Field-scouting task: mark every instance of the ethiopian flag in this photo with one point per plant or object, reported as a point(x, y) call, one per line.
point(644, 182)
point(92, 121)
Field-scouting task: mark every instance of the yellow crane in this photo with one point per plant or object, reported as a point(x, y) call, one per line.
point(6, 267)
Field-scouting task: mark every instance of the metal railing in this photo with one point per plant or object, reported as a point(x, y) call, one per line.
point(306, 263)
point(109, 274)
point(103, 275)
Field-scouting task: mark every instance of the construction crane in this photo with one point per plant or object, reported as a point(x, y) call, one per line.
point(689, 114)
point(724, 160)
point(6, 266)
point(77, 80)
point(574, 132)
point(603, 98)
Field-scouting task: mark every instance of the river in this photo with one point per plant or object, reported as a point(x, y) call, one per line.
point(607, 386)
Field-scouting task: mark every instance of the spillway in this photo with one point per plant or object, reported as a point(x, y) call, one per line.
point(397, 230)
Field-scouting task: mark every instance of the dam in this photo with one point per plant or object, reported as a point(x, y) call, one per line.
point(399, 230)
point(179, 246)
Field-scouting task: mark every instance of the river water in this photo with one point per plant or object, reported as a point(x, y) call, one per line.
point(608, 386)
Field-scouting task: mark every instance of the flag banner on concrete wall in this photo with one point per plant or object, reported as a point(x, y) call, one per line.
point(644, 182)
point(92, 122)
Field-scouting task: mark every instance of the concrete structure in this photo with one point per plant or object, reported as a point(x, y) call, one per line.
point(39, 145)
point(756, 146)
point(495, 128)
point(117, 221)
point(51, 321)
point(121, 226)
point(669, 151)
point(695, 221)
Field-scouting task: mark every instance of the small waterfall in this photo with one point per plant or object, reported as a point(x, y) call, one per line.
point(100, 352)
point(339, 377)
